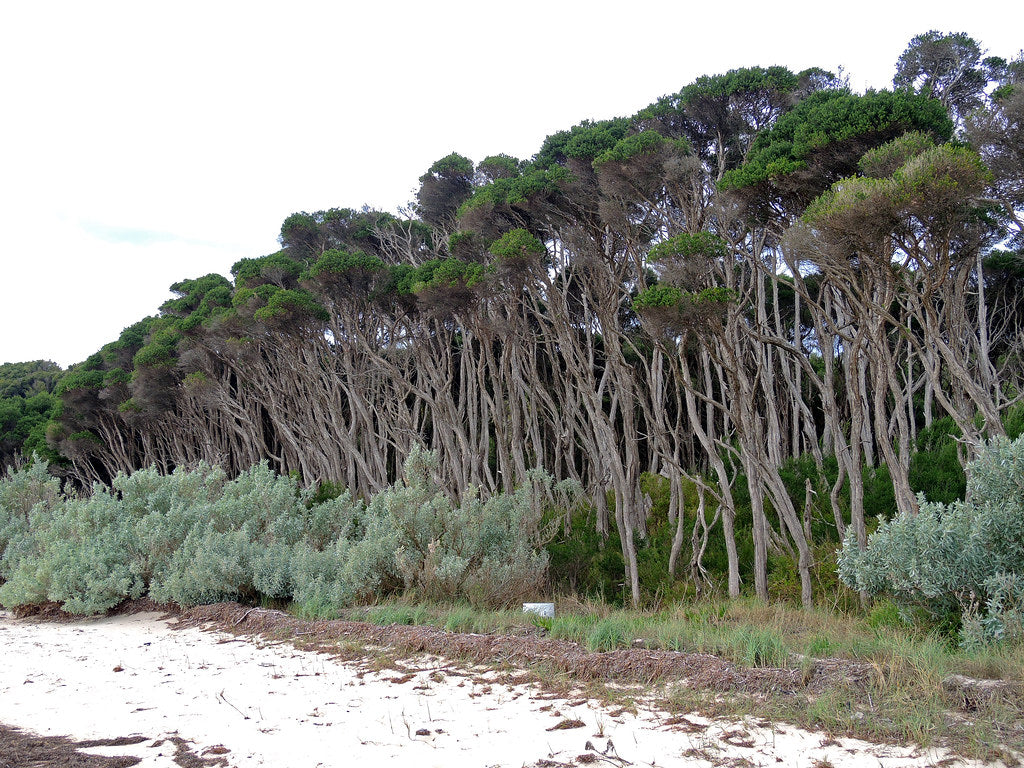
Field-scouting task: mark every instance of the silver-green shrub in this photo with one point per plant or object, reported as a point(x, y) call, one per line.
point(965, 557)
point(164, 509)
point(194, 536)
point(22, 491)
point(487, 552)
point(79, 553)
point(237, 545)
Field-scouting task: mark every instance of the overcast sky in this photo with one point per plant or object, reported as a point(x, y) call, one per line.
point(143, 143)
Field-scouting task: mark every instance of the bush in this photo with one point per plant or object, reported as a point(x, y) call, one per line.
point(195, 537)
point(29, 491)
point(487, 552)
point(964, 559)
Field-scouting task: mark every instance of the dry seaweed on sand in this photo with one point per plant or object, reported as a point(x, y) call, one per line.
point(632, 665)
point(20, 748)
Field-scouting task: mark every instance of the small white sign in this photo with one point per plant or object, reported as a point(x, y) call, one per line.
point(541, 609)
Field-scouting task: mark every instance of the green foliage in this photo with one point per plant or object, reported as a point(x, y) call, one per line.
point(463, 243)
point(887, 159)
point(25, 494)
point(443, 188)
point(736, 82)
point(290, 307)
point(1013, 421)
point(130, 340)
point(336, 261)
point(705, 245)
point(161, 347)
point(658, 295)
point(830, 118)
point(304, 236)
point(499, 167)
point(442, 274)
point(934, 187)
point(953, 558)
point(484, 551)
point(213, 289)
point(78, 378)
point(625, 149)
point(584, 562)
point(277, 268)
point(517, 245)
point(450, 165)
point(28, 379)
point(935, 469)
point(534, 183)
point(23, 423)
point(885, 614)
point(116, 376)
point(582, 142)
point(195, 537)
point(946, 67)
point(678, 308)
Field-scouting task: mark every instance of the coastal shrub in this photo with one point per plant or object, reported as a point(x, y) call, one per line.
point(319, 586)
point(487, 552)
point(24, 491)
point(194, 536)
point(92, 548)
point(963, 559)
point(238, 545)
point(209, 567)
point(165, 508)
point(79, 552)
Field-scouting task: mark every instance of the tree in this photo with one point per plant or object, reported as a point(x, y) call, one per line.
point(443, 188)
point(944, 66)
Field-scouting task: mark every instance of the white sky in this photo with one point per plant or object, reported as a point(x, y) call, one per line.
point(142, 143)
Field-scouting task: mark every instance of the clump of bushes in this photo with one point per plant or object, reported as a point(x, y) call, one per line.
point(195, 537)
point(964, 559)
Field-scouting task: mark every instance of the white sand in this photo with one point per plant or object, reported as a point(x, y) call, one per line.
point(277, 706)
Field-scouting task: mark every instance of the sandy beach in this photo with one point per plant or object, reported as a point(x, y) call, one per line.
point(239, 702)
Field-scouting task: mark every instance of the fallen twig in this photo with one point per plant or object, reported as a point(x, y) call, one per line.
point(221, 697)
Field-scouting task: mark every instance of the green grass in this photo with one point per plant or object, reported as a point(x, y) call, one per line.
point(398, 613)
point(614, 632)
point(572, 627)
